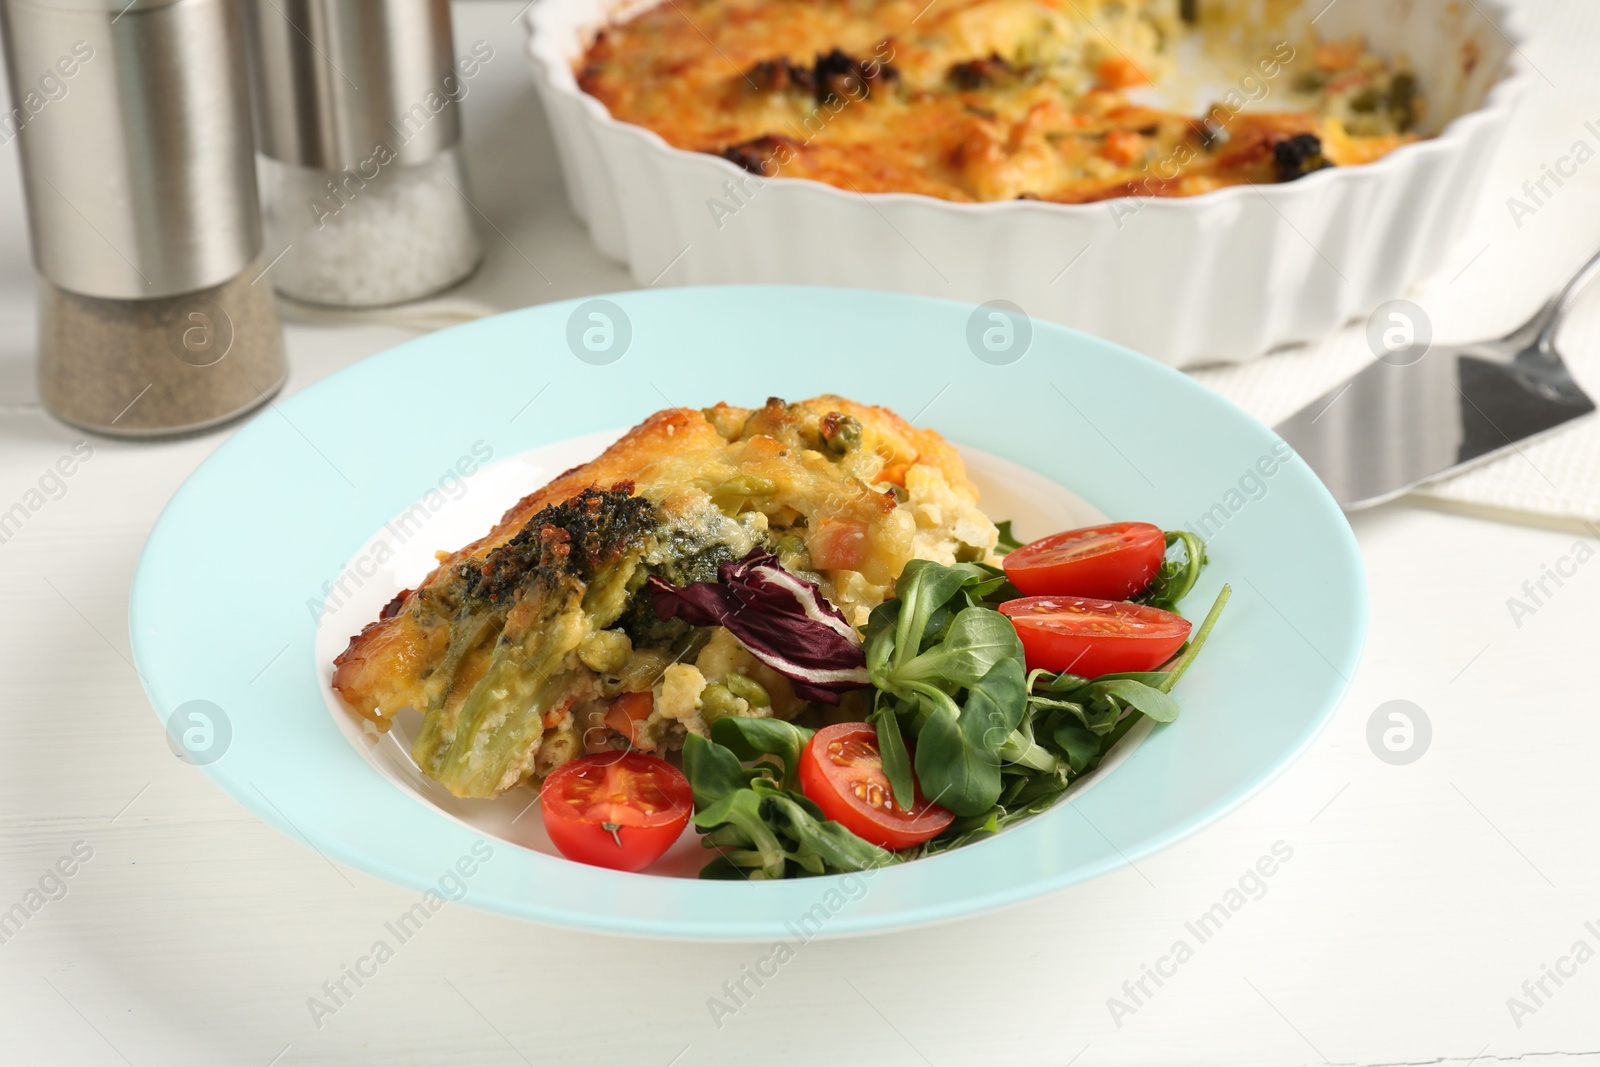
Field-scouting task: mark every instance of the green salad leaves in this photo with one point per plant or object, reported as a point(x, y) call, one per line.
point(1175, 578)
point(957, 717)
point(1070, 724)
point(948, 671)
point(756, 815)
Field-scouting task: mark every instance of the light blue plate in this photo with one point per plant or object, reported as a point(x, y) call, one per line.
point(257, 531)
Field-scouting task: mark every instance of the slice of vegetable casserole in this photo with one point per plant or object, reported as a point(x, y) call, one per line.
point(541, 641)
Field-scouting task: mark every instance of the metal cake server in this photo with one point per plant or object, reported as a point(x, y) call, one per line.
point(1420, 413)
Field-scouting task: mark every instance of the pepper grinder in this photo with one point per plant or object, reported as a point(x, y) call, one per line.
point(133, 124)
point(357, 112)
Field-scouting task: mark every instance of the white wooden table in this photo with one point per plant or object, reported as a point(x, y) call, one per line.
point(1418, 898)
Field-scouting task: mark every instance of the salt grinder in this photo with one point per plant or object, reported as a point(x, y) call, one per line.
point(358, 117)
point(138, 165)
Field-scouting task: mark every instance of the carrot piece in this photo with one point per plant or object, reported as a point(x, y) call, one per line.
point(1122, 147)
point(838, 544)
point(1120, 72)
point(627, 712)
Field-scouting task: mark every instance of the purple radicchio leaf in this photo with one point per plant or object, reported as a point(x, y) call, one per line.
point(783, 621)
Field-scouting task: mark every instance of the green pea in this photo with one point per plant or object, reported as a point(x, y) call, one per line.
point(748, 689)
point(605, 651)
point(1366, 100)
point(842, 434)
point(716, 702)
point(793, 546)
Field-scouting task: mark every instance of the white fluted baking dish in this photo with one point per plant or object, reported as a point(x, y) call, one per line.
point(1220, 277)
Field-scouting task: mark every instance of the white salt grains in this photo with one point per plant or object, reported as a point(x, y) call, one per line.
point(356, 241)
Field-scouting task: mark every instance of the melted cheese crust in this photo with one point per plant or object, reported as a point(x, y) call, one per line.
point(850, 522)
point(976, 100)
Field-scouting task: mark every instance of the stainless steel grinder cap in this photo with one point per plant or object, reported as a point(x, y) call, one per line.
point(139, 165)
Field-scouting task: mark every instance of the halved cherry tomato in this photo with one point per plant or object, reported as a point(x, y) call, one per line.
point(616, 809)
point(1110, 562)
point(842, 773)
point(1094, 637)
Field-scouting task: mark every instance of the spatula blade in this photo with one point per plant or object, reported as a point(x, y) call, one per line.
point(1392, 428)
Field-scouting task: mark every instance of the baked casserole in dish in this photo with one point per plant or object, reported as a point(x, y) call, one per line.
point(988, 99)
point(1199, 180)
